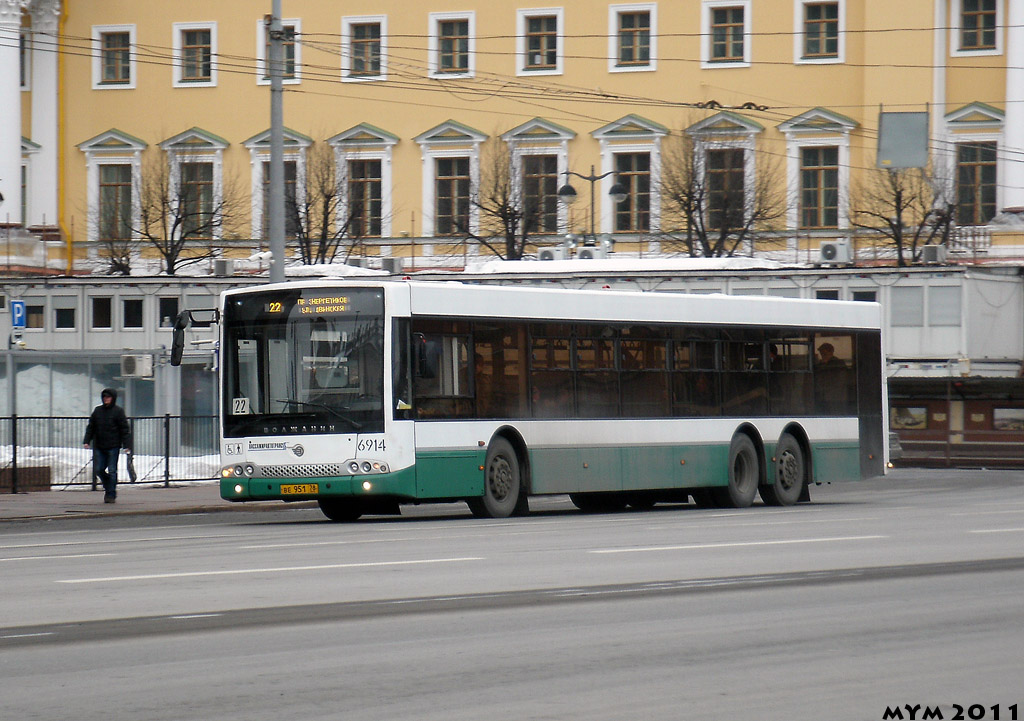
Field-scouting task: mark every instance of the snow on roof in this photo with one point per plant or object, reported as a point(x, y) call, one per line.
point(623, 265)
point(329, 270)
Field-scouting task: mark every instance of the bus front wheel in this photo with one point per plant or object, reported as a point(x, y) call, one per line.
point(503, 485)
point(744, 474)
point(339, 510)
point(790, 474)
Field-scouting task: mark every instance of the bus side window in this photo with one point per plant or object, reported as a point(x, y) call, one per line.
point(426, 354)
point(442, 383)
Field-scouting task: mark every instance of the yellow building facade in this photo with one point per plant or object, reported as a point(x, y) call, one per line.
point(420, 107)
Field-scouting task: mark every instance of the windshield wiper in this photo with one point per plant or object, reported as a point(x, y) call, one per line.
point(288, 401)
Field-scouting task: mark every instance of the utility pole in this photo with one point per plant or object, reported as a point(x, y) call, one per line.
point(275, 206)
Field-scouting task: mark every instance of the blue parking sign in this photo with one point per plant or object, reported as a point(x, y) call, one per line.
point(17, 314)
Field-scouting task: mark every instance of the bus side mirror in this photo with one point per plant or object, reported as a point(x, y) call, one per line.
point(178, 337)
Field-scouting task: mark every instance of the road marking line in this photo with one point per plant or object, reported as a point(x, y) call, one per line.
point(279, 569)
point(998, 530)
point(69, 555)
point(28, 635)
point(114, 541)
point(195, 615)
point(699, 546)
point(988, 513)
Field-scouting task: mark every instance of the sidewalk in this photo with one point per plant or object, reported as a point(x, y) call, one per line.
point(132, 500)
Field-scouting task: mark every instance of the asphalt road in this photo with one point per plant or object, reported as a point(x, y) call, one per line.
point(905, 590)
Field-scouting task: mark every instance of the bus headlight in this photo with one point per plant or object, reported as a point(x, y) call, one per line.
point(239, 471)
point(367, 485)
point(249, 469)
point(238, 488)
point(353, 466)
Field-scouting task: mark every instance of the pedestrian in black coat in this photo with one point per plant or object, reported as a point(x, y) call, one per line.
point(107, 433)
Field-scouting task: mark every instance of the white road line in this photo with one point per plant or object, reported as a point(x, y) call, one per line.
point(46, 558)
point(195, 615)
point(113, 541)
point(988, 513)
point(28, 635)
point(998, 530)
point(279, 569)
point(700, 546)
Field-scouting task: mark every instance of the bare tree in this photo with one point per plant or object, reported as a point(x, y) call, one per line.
point(711, 206)
point(115, 238)
point(908, 207)
point(510, 213)
point(328, 213)
point(181, 214)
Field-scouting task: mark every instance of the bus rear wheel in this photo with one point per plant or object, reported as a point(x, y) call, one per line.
point(790, 474)
point(340, 510)
point(503, 484)
point(744, 474)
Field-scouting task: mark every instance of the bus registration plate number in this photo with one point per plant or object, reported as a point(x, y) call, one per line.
point(299, 489)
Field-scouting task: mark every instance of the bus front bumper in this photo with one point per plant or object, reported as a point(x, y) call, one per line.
point(395, 484)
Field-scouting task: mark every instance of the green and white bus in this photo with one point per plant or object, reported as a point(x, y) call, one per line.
point(365, 394)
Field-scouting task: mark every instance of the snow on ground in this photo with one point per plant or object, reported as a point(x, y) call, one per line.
point(73, 466)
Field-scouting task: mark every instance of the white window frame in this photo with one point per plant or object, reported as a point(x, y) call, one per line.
point(1002, 157)
point(795, 142)
point(613, 37)
point(98, 31)
point(342, 156)
point(517, 153)
point(434, 44)
point(176, 60)
point(64, 302)
point(522, 16)
point(122, 326)
point(799, 30)
point(261, 52)
point(430, 154)
point(606, 220)
point(346, 39)
point(259, 156)
point(705, 33)
point(703, 143)
point(93, 161)
point(89, 323)
point(956, 25)
point(215, 156)
point(958, 132)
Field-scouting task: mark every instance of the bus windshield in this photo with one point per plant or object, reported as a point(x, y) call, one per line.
point(302, 361)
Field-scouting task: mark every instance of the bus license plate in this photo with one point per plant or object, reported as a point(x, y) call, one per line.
point(302, 489)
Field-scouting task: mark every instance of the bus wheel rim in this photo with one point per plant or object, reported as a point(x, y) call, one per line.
point(500, 480)
point(789, 472)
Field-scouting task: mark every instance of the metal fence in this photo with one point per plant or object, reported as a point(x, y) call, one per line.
point(36, 450)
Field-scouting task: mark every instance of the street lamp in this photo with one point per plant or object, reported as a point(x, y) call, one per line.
point(567, 193)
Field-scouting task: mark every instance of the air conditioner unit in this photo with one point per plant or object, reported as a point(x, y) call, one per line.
point(137, 366)
point(391, 265)
point(223, 267)
point(356, 262)
point(835, 252)
point(590, 252)
point(553, 253)
point(933, 254)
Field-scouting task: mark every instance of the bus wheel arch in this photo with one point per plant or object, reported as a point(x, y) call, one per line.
point(791, 469)
point(746, 469)
point(506, 477)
